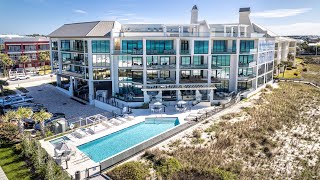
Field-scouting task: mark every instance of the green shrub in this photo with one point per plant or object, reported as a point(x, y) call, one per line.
point(197, 141)
point(168, 166)
point(175, 143)
point(213, 127)
point(226, 175)
point(132, 170)
point(304, 69)
point(196, 134)
point(288, 68)
point(296, 74)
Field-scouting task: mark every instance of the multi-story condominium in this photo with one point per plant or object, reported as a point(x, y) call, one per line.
point(138, 63)
point(30, 46)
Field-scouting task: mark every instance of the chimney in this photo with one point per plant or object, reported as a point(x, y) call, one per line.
point(244, 16)
point(194, 15)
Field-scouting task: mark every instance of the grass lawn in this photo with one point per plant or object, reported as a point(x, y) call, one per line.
point(13, 166)
point(313, 73)
point(290, 74)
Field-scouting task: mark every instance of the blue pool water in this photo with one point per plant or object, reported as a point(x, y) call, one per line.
point(116, 142)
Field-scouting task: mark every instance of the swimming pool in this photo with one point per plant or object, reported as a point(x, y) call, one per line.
point(119, 141)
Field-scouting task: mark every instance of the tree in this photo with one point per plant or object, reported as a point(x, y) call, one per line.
point(10, 116)
point(22, 114)
point(3, 83)
point(6, 62)
point(44, 57)
point(23, 60)
point(40, 117)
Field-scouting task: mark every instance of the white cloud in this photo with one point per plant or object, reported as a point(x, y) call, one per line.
point(276, 13)
point(307, 28)
point(80, 11)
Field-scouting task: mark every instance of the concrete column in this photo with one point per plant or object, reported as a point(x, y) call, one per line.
point(179, 95)
point(209, 59)
point(51, 57)
point(234, 68)
point(146, 97)
point(71, 86)
point(90, 81)
point(113, 67)
point(178, 61)
point(159, 96)
point(231, 31)
point(224, 31)
point(59, 56)
point(144, 43)
point(245, 31)
point(211, 96)
point(198, 95)
point(239, 31)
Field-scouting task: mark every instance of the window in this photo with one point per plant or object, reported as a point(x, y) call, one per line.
point(269, 77)
point(196, 72)
point(201, 47)
point(66, 56)
point(130, 46)
point(185, 74)
point(246, 45)
point(152, 74)
point(101, 74)
point(245, 59)
point(165, 60)
point(124, 61)
point(261, 81)
point(165, 74)
point(220, 46)
point(65, 45)
point(101, 46)
point(244, 85)
point(224, 73)
point(152, 60)
point(269, 66)
point(221, 60)
point(185, 60)
point(223, 87)
point(245, 71)
point(125, 75)
point(198, 60)
point(234, 46)
point(158, 46)
point(261, 69)
point(184, 45)
point(137, 61)
point(100, 60)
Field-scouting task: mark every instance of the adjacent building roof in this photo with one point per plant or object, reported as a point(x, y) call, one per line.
point(85, 29)
point(195, 7)
point(247, 9)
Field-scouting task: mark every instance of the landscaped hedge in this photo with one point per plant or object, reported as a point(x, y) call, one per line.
point(132, 170)
point(45, 167)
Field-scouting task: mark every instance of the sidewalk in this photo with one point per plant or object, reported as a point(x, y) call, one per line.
point(2, 175)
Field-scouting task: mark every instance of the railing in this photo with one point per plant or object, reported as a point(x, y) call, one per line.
point(250, 51)
point(185, 52)
point(73, 50)
point(215, 80)
point(164, 52)
point(161, 81)
point(246, 77)
point(250, 64)
point(74, 74)
point(161, 66)
point(193, 66)
point(215, 67)
point(228, 51)
point(136, 66)
point(193, 79)
point(127, 52)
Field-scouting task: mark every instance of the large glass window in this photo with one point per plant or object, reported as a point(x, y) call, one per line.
point(198, 60)
point(152, 60)
point(185, 60)
point(101, 74)
point(261, 69)
point(130, 46)
point(269, 66)
point(245, 59)
point(101, 46)
point(245, 71)
point(137, 61)
point(234, 45)
point(260, 80)
point(201, 47)
point(101, 60)
point(224, 73)
point(244, 85)
point(128, 61)
point(220, 46)
point(152, 74)
point(164, 60)
point(165, 74)
point(65, 45)
point(223, 87)
point(159, 46)
point(221, 60)
point(246, 45)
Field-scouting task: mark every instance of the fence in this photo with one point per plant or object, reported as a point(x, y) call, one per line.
point(142, 146)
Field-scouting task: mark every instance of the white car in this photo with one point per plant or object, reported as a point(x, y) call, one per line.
point(22, 77)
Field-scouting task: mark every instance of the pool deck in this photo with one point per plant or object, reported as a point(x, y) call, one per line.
point(80, 162)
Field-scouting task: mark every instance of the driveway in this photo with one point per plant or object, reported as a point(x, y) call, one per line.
point(58, 102)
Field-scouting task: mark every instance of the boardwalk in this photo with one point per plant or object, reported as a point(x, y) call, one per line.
point(2, 175)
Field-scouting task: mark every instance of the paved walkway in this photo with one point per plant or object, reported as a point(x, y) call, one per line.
point(2, 175)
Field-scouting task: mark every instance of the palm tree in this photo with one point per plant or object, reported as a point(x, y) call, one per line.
point(10, 116)
point(23, 60)
point(40, 117)
point(6, 62)
point(3, 83)
point(44, 57)
point(22, 114)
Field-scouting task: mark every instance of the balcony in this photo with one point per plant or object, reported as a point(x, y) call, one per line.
point(193, 66)
point(77, 74)
point(137, 66)
point(160, 80)
point(185, 52)
point(214, 67)
point(251, 51)
point(193, 79)
point(161, 66)
point(128, 52)
point(246, 77)
point(79, 50)
point(228, 51)
point(215, 80)
point(164, 52)
point(251, 64)
point(76, 61)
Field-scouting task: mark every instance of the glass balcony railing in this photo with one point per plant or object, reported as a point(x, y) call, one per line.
point(185, 79)
point(250, 64)
point(128, 52)
point(151, 80)
point(161, 66)
point(162, 52)
point(246, 77)
point(193, 66)
point(73, 49)
point(250, 51)
point(215, 80)
point(227, 51)
point(185, 52)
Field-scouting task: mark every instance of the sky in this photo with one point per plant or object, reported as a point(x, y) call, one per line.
point(283, 17)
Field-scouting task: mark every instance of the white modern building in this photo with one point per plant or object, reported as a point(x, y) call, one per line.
point(131, 64)
point(283, 47)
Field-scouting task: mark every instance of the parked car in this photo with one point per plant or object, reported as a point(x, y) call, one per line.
point(10, 100)
point(34, 106)
point(22, 77)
